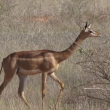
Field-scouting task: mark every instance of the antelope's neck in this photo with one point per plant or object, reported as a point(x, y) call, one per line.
point(63, 55)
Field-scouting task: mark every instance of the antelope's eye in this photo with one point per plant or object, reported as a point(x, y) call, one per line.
point(90, 31)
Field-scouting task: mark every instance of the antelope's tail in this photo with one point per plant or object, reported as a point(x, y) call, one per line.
point(1, 67)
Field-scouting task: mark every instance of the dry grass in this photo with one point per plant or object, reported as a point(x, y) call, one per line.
point(18, 32)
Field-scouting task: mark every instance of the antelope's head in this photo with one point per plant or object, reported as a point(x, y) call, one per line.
point(88, 32)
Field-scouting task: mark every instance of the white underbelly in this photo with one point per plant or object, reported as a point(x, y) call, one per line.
point(29, 72)
point(36, 71)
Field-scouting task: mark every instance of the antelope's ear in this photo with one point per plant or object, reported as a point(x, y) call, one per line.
point(89, 26)
point(86, 25)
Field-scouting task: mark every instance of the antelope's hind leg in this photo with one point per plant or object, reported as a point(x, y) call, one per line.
point(5, 82)
point(22, 84)
point(9, 73)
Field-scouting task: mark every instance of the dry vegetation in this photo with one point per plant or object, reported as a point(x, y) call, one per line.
point(51, 24)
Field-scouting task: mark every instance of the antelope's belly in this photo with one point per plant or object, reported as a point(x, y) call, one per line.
point(37, 71)
point(29, 72)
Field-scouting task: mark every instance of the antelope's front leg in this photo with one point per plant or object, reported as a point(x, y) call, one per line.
point(53, 76)
point(44, 77)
